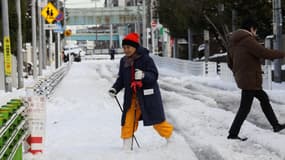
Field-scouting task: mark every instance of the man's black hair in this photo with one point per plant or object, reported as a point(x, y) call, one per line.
point(247, 23)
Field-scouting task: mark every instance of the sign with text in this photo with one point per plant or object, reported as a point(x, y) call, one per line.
point(7, 56)
point(59, 28)
point(50, 26)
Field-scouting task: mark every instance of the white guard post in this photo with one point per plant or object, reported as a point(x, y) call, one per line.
point(36, 113)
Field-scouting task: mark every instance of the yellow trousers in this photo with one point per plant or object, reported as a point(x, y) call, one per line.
point(164, 128)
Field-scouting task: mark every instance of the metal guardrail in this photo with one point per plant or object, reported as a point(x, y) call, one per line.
point(13, 132)
point(47, 85)
point(16, 147)
point(11, 139)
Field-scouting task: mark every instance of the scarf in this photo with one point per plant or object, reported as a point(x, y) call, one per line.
point(129, 61)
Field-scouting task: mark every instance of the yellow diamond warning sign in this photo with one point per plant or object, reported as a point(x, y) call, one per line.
point(50, 12)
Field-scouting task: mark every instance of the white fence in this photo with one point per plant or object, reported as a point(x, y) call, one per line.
point(188, 67)
point(210, 69)
point(225, 73)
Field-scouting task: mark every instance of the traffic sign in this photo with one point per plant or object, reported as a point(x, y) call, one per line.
point(50, 12)
point(50, 26)
point(59, 16)
point(67, 32)
point(59, 28)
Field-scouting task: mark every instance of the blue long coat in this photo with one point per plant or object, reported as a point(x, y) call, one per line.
point(149, 97)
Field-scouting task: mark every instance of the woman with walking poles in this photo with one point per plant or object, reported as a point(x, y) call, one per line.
point(142, 100)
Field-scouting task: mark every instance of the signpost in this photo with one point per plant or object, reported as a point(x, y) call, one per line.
point(50, 13)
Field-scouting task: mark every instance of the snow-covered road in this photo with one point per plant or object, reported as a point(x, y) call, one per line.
point(83, 122)
point(210, 112)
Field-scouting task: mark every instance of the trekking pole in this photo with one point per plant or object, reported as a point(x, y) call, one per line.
point(118, 103)
point(134, 125)
point(134, 86)
point(122, 111)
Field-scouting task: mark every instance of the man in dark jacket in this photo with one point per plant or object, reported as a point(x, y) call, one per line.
point(112, 53)
point(244, 57)
point(142, 100)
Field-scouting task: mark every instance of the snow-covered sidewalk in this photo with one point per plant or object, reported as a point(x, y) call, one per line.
point(83, 121)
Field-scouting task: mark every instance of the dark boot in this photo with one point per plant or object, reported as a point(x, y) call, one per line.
point(234, 137)
point(279, 127)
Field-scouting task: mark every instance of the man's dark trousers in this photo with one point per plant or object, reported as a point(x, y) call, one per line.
point(245, 106)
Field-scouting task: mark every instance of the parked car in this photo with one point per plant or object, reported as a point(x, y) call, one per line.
point(72, 50)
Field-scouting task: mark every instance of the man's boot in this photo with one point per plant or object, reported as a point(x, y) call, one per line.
point(278, 127)
point(235, 137)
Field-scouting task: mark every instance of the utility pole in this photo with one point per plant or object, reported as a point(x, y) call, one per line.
point(7, 47)
point(34, 38)
point(111, 29)
point(111, 36)
point(97, 25)
point(64, 20)
point(50, 48)
point(40, 38)
point(268, 64)
point(190, 48)
point(137, 24)
point(207, 45)
point(144, 25)
point(277, 32)
point(152, 28)
point(57, 52)
point(44, 37)
point(234, 19)
point(44, 45)
point(234, 16)
point(19, 46)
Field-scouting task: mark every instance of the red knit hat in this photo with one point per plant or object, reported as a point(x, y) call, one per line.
point(132, 39)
